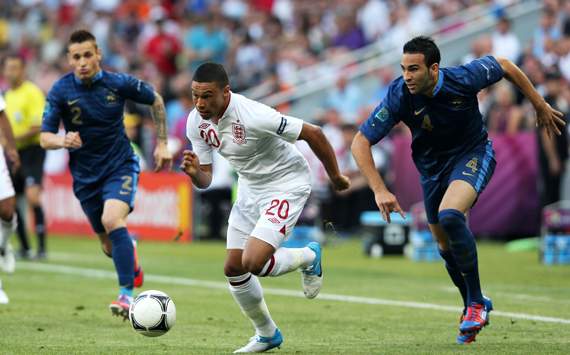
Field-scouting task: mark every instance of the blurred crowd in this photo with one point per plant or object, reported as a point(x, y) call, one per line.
point(264, 43)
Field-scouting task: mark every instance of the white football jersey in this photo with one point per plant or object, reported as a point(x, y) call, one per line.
point(2, 103)
point(256, 140)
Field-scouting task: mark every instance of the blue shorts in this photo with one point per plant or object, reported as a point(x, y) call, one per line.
point(475, 167)
point(119, 185)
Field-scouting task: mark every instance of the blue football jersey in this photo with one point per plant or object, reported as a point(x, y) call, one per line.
point(95, 110)
point(443, 126)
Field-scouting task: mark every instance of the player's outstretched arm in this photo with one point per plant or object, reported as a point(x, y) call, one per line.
point(385, 200)
point(162, 156)
point(547, 117)
point(9, 141)
point(201, 175)
point(322, 148)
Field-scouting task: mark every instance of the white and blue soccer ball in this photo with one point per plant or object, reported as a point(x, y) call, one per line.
point(152, 313)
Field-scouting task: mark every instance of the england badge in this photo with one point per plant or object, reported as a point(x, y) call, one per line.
point(238, 131)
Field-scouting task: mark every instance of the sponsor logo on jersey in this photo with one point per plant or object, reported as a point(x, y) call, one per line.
point(282, 126)
point(238, 131)
point(203, 125)
point(382, 115)
point(417, 112)
point(274, 220)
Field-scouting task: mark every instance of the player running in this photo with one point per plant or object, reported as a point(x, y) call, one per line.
point(273, 186)
point(451, 151)
point(105, 170)
point(8, 219)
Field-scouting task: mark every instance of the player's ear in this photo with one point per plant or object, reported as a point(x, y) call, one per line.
point(434, 68)
point(226, 90)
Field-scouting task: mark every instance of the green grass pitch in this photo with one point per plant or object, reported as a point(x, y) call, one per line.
point(56, 308)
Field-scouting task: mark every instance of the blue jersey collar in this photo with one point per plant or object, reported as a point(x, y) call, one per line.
point(96, 77)
point(439, 83)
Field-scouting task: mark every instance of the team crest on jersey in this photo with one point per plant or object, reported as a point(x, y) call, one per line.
point(110, 97)
point(204, 125)
point(238, 131)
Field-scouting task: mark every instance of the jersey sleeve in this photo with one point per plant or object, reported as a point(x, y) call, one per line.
point(384, 117)
point(136, 89)
point(199, 145)
point(52, 112)
point(2, 103)
point(36, 107)
point(480, 73)
point(272, 122)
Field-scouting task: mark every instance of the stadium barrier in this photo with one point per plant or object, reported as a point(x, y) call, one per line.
point(163, 207)
point(510, 204)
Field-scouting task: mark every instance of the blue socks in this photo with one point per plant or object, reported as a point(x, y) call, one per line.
point(464, 251)
point(455, 274)
point(123, 257)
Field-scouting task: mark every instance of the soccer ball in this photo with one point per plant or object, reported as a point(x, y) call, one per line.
point(152, 313)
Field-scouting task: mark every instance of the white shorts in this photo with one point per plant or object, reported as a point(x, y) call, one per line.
point(269, 216)
point(6, 187)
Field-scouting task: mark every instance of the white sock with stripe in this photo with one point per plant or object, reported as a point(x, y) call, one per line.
point(248, 294)
point(286, 260)
point(7, 228)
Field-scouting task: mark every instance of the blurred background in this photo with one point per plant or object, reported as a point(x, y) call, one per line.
point(327, 62)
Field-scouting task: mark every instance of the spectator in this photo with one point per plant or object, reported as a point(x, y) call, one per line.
point(505, 42)
point(553, 151)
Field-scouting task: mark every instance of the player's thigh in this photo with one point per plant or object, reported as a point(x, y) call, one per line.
point(122, 184)
point(242, 219)
point(91, 202)
point(115, 214)
point(278, 214)
point(433, 192)
point(469, 177)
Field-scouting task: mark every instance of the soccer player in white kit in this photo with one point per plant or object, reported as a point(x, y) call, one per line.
point(273, 186)
point(7, 199)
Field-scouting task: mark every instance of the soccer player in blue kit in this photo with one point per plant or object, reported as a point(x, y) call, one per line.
point(105, 170)
point(451, 151)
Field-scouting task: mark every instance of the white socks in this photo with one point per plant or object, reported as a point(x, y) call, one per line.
point(286, 260)
point(248, 294)
point(7, 228)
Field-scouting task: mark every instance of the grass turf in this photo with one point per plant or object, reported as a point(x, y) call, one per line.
point(57, 313)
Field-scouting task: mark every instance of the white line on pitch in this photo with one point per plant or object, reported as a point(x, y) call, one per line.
point(104, 274)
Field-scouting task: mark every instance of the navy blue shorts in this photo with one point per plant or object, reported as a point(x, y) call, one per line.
point(475, 167)
point(119, 185)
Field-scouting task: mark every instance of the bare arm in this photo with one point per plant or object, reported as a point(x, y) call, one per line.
point(548, 144)
point(7, 138)
point(50, 140)
point(320, 145)
point(385, 200)
point(546, 116)
point(6, 129)
point(162, 156)
point(201, 175)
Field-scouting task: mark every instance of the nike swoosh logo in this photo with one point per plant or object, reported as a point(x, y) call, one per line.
point(464, 173)
point(72, 102)
point(417, 112)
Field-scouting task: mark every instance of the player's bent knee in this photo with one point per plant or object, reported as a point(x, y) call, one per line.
point(231, 269)
point(111, 223)
point(7, 210)
point(253, 265)
point(450, 218)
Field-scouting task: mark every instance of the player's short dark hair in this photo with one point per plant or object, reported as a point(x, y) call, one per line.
point(81, 36)
point(211, 73)
point(14, 55)
point(426, 46)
